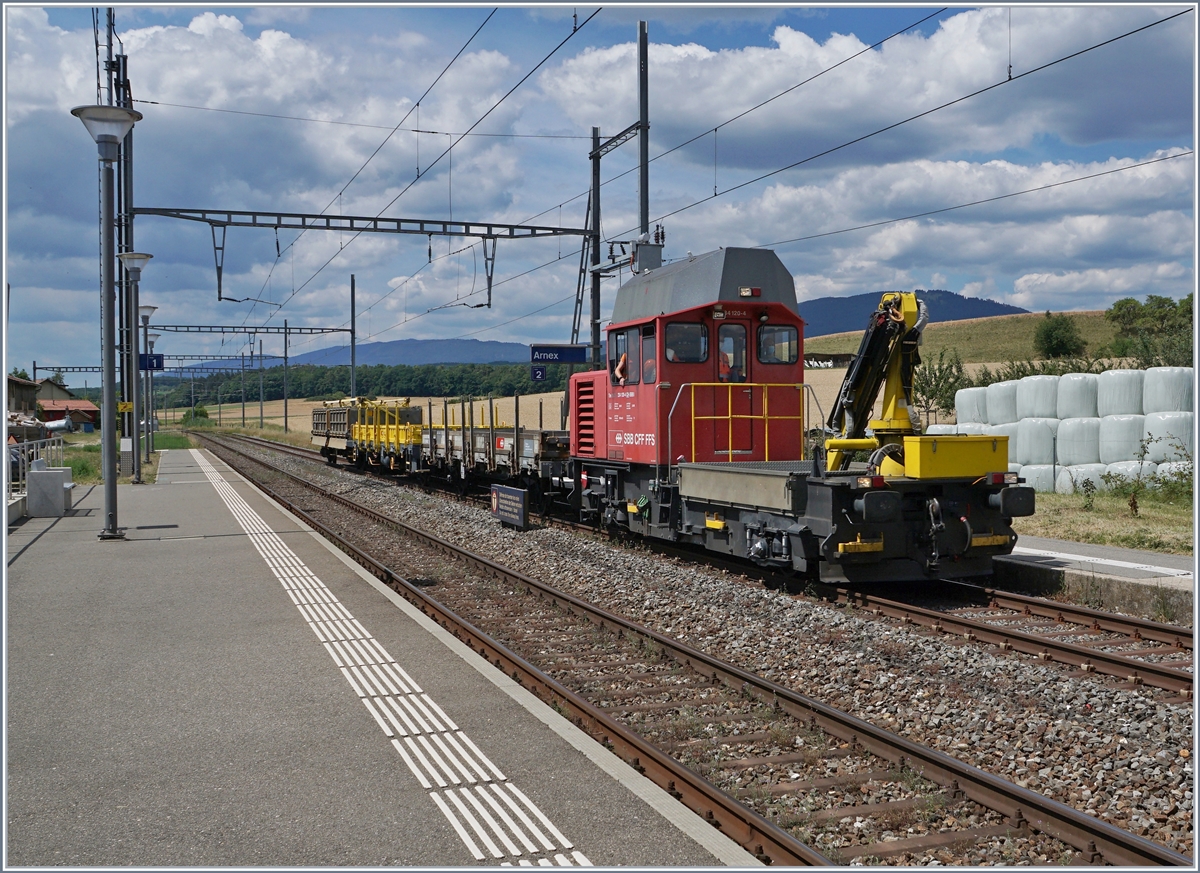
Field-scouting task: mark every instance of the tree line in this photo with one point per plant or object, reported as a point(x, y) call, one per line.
point(312, 382)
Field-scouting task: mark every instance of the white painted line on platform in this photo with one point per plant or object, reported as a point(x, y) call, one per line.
point(389, 669)
point(416, 716)
point(532, 807)
point(411, 766)
point(453, 759)
point(437, 759)
point(388, 712)
point(420, 756)
point(441, 713)
point(463, 835)
point(466, 814)
point(412, 728)
point(1111, 562)
point(491, 822)
point(482, 757)
point(353, 684)
point(429, 716)
point(466, 756)
point(507, 819)
point(581, 859)
point(533, 829)
point(383, 726)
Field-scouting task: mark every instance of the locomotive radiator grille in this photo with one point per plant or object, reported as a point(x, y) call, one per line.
point(585, 405)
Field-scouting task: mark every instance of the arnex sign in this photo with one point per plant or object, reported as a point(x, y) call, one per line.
point(559, 354)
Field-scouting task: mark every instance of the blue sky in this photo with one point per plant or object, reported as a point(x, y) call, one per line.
point(1078, 245)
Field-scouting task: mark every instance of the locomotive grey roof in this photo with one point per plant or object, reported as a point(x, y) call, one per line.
point(705, 278)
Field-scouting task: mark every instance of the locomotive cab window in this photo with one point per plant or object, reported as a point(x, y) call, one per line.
point(686, 343)
point(624, 356)
point(778, 344)
point(649, 356)
point(731, 353)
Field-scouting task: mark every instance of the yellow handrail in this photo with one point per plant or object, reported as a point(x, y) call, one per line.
point(729, 415)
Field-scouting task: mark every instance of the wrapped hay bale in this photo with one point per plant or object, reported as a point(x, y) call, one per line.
point(1039, 477)
point(1002, 402)
point(1037, 397)
point(972, 427)
point(1120, 437)
point(1175, 471)
point(941, 430)
point(1131, 470)
point(1014, 468)
point(970, 405)
point(1167, 389)
point(1011, 431)
point(1035, 441)
point(1071, 479)
point(1078, 440)
point(1119, 392)
point(1168, 436)
point(1077, 396)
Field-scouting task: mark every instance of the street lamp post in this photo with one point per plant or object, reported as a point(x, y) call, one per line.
point(134, 262)
point(151, 339)
point(108, 125)
point(145, 312)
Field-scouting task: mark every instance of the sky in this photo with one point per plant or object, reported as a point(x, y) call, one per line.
point(885, 129)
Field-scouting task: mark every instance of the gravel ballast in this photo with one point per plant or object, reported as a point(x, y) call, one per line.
point(1122, 754)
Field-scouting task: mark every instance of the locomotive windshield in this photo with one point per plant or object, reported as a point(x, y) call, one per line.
point(687, 343)
point(778, 344)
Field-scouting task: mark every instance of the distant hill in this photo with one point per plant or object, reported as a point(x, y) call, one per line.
point(827, 315)
point(982, 340)
point(419, 351)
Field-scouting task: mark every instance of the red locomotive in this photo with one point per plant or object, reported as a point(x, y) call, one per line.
point(695, 432)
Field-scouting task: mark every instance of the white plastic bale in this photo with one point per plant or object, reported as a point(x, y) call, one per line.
point(1039, 477)
point(1071, 479)
point(1119, 392)
point(1130, 470)
point(1120, 437)
point(1168, 436)
point(972, 427)
point(1078, 440)
point(941, 430)
point(1002, 402)
point(1014, 468)
point(1077, 396)
point(1035, 441)
point(970, 405)
point(1175, 470)
point(1011, 431)
point(1037, 397)
point(1167, 389)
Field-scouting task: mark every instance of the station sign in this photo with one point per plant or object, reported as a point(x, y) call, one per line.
point(570, 353)
point(537, 374)
point(510, 506)
point(150, 362)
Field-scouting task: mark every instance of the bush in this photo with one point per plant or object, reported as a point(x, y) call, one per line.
point(1058, 337)
point(936, 381)
point(197, 416)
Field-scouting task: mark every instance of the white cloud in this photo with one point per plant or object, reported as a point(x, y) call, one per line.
point(1099, 288)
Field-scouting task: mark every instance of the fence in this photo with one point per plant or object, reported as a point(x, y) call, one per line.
point(21, 455)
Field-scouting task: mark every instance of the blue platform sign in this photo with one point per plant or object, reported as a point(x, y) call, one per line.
point(537, 374)
point(151, 362)
point(510, 505)
point(571, 353)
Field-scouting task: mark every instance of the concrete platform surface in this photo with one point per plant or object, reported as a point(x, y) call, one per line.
point(225, 688)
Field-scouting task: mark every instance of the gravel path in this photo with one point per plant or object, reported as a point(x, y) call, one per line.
point(1123, 755)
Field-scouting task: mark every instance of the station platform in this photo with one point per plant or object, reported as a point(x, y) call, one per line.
point(224, 688)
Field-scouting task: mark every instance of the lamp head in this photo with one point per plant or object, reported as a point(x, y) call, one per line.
point(134, 261)
point(107, 125)
point(145, 311)
point(153, 337)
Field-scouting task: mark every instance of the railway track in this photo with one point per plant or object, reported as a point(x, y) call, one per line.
point(1126, 647)
point(754, 758)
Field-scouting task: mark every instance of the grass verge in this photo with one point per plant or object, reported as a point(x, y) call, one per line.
point(82, 454)
point(1163, 524)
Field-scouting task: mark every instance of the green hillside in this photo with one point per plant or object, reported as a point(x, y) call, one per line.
point(981, 340)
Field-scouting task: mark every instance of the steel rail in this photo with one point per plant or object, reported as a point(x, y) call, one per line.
point(765, 840)
point(1097, 840)
point(1142, 628)
point(1085, 658)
